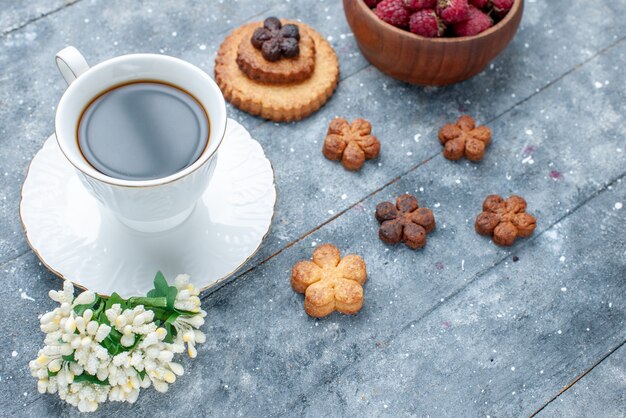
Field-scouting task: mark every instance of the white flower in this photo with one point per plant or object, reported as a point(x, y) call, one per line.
point(91, 356)
point(124, 379)
point(73, 347)
point(84, 395)
point(124, 393)
point(157, 361)
point(49, 361)
point(63, 296)
point(131, 322)
point(83, 337)
point(85, 298)
point(51, 321)
point(187, 298)
point(187, 332)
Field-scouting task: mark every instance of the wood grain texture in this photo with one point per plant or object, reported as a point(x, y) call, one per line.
point(554, 99)
point(428, 61)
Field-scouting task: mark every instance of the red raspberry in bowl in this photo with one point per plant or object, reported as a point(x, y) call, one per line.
point(393, 12)
point(452, 11)
point(481, 4)
point(415, 5)
point(476, 23)
point(427, 23)
point(502, 7)
point(438, 18)
point(372, 3)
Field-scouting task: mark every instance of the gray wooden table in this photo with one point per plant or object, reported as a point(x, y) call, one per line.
point(456, 329)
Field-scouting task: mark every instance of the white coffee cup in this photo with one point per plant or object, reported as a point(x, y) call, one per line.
point(147, 205)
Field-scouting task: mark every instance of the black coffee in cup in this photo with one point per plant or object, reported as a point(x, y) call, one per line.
point(143, 130)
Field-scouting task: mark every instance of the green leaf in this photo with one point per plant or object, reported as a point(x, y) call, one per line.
point(160, 314)
point(169, 338)
point(113, 299)
point(186, 313)
point(172, 318)
point(52, 374)
point(169, 327)
point(142, 374)
point(98, 313)
point(103, 319)
point(159, 300)
point(110, 346)
point(80, 309)
point(115, 334)
point(171, 297)
point(91, 379)
point(160, 284)
point(113, 343)
point(69, 357)
point(149, 302)
point(162, 289)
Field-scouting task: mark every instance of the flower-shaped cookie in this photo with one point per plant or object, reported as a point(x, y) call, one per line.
point(505, 220)
point(329, 282)
point(464, 138)
point(404, 222)
point(352, 143)
point(276, 41)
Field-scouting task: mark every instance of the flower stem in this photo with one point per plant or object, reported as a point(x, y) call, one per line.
point(158, 302)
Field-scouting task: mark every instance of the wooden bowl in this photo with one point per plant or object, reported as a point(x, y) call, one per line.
point(428, 61)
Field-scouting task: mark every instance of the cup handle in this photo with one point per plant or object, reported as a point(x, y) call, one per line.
point(71, 63)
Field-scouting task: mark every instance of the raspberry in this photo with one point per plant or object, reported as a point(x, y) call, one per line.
point(372, 3)
point(427, 23)
point(502, 7)
point(415, 5)
point(452, 11)
point(393, 12)
point(481, 4)
point(476, 23)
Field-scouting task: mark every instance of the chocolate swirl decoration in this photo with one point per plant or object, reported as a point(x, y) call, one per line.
point(277, 41)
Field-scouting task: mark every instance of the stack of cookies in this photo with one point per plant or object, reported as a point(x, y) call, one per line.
point(280, 70)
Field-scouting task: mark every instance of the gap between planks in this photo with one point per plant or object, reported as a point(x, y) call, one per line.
point(18, 256)
point(576, 379)
point(37, 18)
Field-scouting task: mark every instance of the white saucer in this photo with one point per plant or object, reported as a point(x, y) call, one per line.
point(79, 240)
